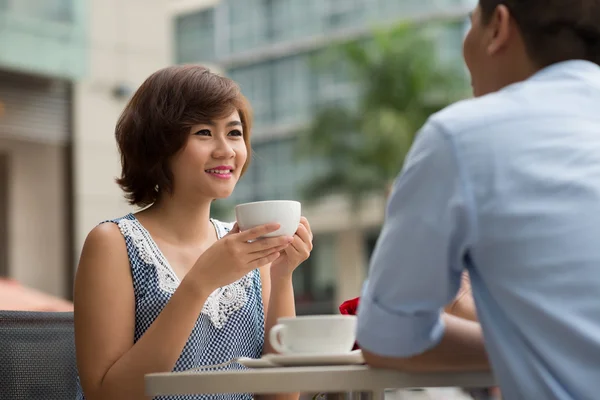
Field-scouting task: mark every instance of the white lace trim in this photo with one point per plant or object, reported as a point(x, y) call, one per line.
point(221, 303)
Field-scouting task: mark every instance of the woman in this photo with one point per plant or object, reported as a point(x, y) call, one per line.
point(463, 306)
point(169, 288)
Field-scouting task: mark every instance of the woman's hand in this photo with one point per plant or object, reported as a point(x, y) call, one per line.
point(293, 255)
point(238, 253)
point(463, 305)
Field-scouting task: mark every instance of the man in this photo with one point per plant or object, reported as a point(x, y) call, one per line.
point(507, 187)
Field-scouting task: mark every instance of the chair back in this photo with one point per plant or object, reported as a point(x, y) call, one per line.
point(37, 356)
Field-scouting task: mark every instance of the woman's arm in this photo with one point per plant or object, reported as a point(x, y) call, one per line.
point(278, 301)
point(110, 365)
point(463, 305)
point(278, 298)
point(278, 291)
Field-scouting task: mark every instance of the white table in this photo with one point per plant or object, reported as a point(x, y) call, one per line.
point(340, 379)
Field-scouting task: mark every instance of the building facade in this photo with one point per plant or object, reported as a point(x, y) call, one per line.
point(267, 47)
point(67, 68)
point(42, 52)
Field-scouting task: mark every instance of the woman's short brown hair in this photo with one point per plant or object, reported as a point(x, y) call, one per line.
point(554, 30)
point(156, 124)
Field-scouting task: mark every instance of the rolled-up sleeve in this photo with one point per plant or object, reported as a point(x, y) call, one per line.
point(417, 263)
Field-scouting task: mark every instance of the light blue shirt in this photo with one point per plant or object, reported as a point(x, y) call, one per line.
point(506, 186)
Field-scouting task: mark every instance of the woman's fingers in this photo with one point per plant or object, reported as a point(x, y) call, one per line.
point(304, 222)
point(264, 253)
point(268, 244)
point(258, 231)
point(235, 229)
point(305, 236)
point(264, 260)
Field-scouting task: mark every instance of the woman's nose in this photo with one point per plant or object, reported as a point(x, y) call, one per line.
point(223, 150)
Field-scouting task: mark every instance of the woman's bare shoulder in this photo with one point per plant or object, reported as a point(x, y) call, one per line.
point(104, 249)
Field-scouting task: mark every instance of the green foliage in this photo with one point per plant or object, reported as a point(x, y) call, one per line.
point(402, 81)
point(221, 209)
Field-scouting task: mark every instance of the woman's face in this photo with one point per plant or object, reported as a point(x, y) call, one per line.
point(211, 162)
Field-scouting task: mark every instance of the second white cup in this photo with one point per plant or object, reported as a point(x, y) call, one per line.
point(314, 334)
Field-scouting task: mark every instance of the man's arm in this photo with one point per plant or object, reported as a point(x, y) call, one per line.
point(461, 349)
point(417, 266)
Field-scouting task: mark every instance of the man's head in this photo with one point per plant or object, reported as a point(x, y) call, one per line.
point(510, 40)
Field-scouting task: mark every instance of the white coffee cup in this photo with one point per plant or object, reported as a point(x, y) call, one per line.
point(286, 213)
point(314, 334)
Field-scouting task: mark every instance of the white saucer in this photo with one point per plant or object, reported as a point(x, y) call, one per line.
point(297, 360)
point(256, 362)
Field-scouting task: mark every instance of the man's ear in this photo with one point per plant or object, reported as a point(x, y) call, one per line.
point(499, 29)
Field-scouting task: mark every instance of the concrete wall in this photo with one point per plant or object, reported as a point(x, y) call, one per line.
point(128, 40)
point(37, 219)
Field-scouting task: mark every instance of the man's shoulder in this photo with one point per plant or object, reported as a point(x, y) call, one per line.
point(475, 114)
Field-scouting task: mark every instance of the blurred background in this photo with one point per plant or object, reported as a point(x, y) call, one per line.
point(339, 89)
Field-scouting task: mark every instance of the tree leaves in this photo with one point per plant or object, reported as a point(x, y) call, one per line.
point(402, 82)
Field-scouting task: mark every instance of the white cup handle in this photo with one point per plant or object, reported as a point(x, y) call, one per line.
point(274, 337)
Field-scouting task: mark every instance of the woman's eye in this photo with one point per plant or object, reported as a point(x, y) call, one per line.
point(236, 133)
point(203, 132)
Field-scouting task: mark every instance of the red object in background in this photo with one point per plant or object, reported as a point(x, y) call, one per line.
point(16, 297)
point(350, 307)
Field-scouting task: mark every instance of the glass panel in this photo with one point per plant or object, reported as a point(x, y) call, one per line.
point(245, 189)
point(257, 23)
point(195, 37)
point(245, 20)
point(340, 14)
point(333, 85)
point(315, 280)
point(47, 37)
point(255, 82)
point(291, 90)
point(450, 39)
point(275, 173)
point(54, 10)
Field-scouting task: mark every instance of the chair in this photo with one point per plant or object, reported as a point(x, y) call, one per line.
point(37, 356)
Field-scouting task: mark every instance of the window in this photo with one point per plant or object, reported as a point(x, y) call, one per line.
point(259, 23)
point(333, 85)
point(53, 10)
point(291, 90)
point(276, 173)
point(287, 91)
point(449, 38)
point(256, 84)
point(315, 280)
point(370, 238)
point(195, 37)
point(276, 165)
point(339, 14)
point(245, 22)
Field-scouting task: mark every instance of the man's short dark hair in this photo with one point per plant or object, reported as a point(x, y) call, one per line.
point(156, 124)
point(554, 30)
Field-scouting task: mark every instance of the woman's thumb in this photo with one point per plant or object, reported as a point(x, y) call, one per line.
point(235, 229)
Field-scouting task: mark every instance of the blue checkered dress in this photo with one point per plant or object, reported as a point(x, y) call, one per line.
point(230, 325)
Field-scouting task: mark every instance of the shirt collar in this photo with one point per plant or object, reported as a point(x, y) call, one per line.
point(576, 68)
